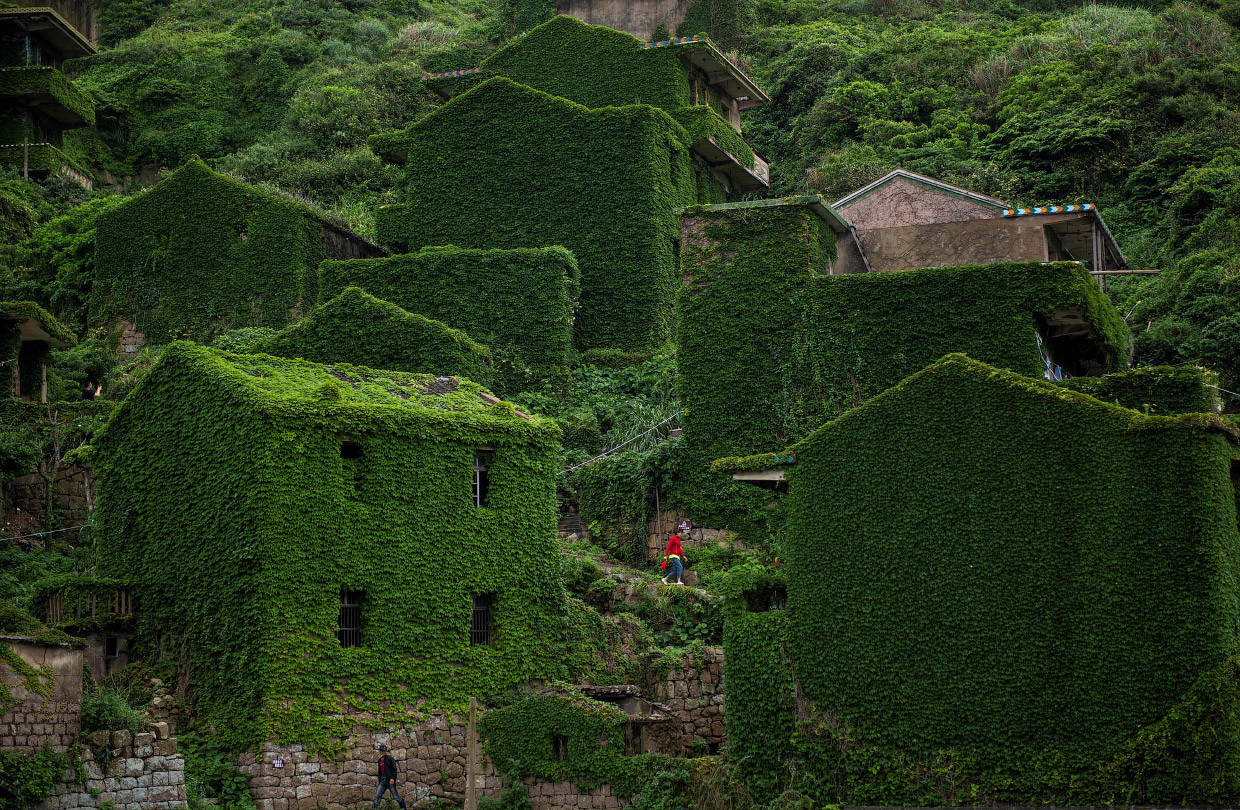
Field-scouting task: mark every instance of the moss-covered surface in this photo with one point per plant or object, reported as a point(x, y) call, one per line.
point(518, 302)
point(359, 329)
point(987, 565)
point(533, 170)
point(50, 82)
point(228, 494)
point(771, 346)
point(1161, 390)
point(202, 253)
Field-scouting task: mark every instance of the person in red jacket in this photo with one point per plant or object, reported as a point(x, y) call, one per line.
point(674, 553)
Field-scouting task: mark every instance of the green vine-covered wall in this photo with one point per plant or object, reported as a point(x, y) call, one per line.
point(362, 330)
point(518, 302)
point(228, 495)
point(1160, 390)
point(528, 169)
point(201, 253)
point(771, 346)
point(987, 564)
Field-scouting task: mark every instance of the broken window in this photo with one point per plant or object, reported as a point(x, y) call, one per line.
point(559, 744)
point(763, 599)
point(351, 460)
point(349, 631)
point(483, 460)
point(111, 654)
point(480, 625)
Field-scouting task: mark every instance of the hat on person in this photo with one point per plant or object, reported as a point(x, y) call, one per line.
point(383, 748)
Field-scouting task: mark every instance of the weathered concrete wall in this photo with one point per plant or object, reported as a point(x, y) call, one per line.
point(1015, 239)
point(638, 17)
point(143, 772)
point(33, 720)
point(902, 202)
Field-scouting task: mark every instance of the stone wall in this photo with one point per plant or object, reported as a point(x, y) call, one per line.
point(142, 772)
point(693, 696)
point(33, 719)
point(131, 338)
point(26, 502)
point(551, 795)
point(430, 760)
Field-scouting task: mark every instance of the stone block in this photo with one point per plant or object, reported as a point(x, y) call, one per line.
point(143, 751)
point(120, 739)
point(308, 767)
point(145, 738)
point(164, 747)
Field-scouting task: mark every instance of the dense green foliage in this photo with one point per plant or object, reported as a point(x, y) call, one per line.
point(1161, 390)
point(770, 347)
point(519, 302)
point(295, 515)
point(201, 253)
point(946, 591)
point(359, 329)
point(538, 170)
point(26, 780)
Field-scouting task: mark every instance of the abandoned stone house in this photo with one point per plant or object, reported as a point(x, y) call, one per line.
point(27, 333)
point(38, 104)
point(990, 558)
point(905, 221)
point(201, 253)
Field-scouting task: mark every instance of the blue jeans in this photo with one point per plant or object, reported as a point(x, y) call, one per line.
point(677, 567)
point(383, 785)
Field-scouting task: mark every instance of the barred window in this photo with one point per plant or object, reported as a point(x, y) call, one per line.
point(482, 478)
point(481, 624)
point(349, 631)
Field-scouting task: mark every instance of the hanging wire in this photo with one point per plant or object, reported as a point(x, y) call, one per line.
point(607, 453)
point(41, 534)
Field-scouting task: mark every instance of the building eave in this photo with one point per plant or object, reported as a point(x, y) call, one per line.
point(65, 36)
point(721, 71)
point(922, 180)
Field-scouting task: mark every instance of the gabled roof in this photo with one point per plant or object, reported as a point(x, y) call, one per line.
point(303, 390)
point(36, 324)
point(921, 180)
point(749, 468)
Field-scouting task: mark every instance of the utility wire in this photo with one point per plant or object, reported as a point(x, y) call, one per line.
point(607, 453)
point(1224, 390)
point(40, 534)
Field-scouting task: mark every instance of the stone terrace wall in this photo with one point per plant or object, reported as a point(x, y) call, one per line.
point(694, 697)
point(145, 772)
point(25, 499)
point(551, 795)
point(32, 720)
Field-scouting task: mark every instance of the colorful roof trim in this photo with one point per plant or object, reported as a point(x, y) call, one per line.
point(1049, 209)
point(449, 75)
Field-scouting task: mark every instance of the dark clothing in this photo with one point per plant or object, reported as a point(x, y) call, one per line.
point(383, 785)
point(387, 777)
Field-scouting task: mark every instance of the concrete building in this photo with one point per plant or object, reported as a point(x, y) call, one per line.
point(27, 332)
point(38, 105)
point(906, 221)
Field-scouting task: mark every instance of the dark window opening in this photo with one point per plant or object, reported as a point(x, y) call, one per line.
point(712, 748)
point(349, 632)
point(1069, 347)
point(559, 744)
point(111, 646)
point(481, 623)
point(482, 478)
point(351, 456)
point(770, 597)
point(634, 739)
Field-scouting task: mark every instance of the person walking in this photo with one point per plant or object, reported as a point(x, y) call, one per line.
point(387, 778)
point(676, 555)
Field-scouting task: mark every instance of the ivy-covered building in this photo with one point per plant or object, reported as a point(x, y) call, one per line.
point(583, 137)
point(1035, 580)
point(772, 343)
point(520, 303)
point(323, 543)
point(359, 329)
point(27, 333)
point(39, 106)
point(201, 253)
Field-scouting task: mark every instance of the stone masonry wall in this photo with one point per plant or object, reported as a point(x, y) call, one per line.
point(142, 772)
point(430, 759)
point(25, 498)
point(32, 719)
point(693, 695)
